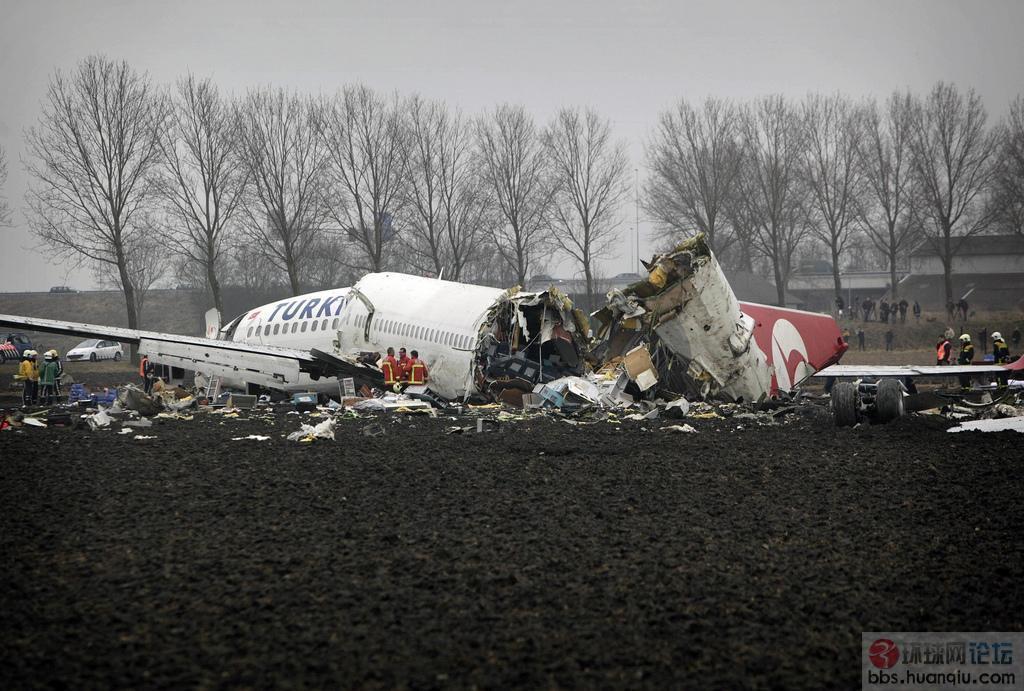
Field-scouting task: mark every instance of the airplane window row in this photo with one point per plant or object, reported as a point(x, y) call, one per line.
point(399, 329)
point(297, 327)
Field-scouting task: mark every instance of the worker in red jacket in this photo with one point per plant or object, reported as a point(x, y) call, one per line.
point(417, 370)
point(389, 368)
point(403, 366)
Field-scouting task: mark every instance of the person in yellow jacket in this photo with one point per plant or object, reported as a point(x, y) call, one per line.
point(28, 373)
point(965, 357)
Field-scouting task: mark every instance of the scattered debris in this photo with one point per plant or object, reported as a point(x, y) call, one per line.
point(141, 437)
point(141, 422)
point(309, 433)
point(133, 398)
point(100, 418)
point(254, 437)
point(687, 429)
point(1006, 424)
point(374, 429)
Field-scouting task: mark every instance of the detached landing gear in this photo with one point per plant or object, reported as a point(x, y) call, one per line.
point(880, 402)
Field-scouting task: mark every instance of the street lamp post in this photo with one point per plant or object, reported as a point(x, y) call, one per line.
point(636, 213)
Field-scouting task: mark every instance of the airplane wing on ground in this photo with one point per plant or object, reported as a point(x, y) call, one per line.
point(268, 366)
point(883, 371)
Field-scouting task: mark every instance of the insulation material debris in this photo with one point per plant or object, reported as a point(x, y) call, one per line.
point(677, 408)
point(685, 429)
point(309, 433)
point(99, 419)
point(253, 437)
point(391, 403)
point(1006, 424)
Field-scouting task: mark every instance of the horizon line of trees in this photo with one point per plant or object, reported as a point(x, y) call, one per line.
point(142, 182)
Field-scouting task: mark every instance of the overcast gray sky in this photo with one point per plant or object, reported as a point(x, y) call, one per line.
point(629, 60)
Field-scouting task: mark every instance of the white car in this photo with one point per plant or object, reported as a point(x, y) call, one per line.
point(96, 350)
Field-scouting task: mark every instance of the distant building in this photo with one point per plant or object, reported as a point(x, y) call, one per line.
point(981, 254)
point(988, 271)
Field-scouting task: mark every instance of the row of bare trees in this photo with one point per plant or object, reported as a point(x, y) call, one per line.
point(765, 178)
point(314, 190)
point(274, 186)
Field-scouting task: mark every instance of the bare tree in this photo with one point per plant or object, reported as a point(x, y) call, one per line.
point(833, 129)
point(328, 265)
point(284, 207)
point(887, 213)
point(251, 269)
point(513, 169)
point(202, 182)
point(5, 208)
point(772, 186)
point(362, 134)
point(588, 177)
point(147, 265)
point(695, 159)
point(447, 206)
point(1008, 198)
point(90, 159)
point(953, 157)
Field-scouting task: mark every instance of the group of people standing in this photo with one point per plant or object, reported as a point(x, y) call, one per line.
point(886, 310)
point(944, 352)
point(403, 372)
point(41, 381)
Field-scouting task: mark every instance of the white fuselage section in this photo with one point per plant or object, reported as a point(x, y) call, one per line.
point(440, 319)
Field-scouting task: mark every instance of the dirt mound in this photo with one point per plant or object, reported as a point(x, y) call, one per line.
point(543, 554)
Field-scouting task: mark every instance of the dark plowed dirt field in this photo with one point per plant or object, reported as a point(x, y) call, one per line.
point(539, 555)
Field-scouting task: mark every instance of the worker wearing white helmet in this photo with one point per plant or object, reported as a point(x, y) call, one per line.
point(965, 357)
point(28, 373)
point(1000, 351)
point(55, 356)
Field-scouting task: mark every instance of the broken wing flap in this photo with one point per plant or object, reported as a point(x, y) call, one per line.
point(265, 368)
point(886, 371)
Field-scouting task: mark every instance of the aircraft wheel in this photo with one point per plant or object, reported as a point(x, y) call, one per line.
point(889, 400)
point(845, 404)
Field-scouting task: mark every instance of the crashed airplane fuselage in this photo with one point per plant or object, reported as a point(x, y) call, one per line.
point(488, 342)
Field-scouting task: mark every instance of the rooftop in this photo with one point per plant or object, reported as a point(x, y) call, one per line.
point(977, 245)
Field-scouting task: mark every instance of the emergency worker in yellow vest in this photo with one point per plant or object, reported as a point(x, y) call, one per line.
point(28, 374)
point(389, 368)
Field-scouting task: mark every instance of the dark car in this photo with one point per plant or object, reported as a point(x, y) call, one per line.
point(13, 345)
